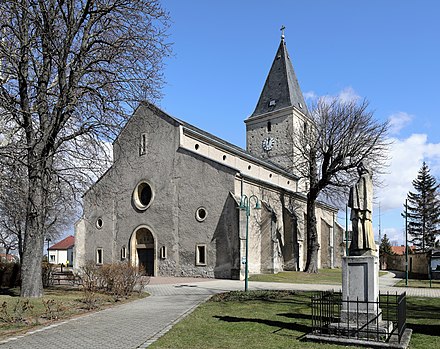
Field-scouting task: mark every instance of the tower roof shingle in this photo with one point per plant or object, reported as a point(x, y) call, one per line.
point(281, 88)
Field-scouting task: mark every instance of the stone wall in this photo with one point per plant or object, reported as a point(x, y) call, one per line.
point(417, 263)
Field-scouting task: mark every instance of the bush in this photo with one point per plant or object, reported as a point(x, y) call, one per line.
point(47, 273)
point(116, 279)
point(9, 274)
point(17, 313)
point(119, 279)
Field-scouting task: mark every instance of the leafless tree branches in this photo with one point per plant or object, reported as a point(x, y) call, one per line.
point(71, 72)
point(328, 150)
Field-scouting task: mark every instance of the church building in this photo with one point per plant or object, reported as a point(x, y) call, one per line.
point(179, 201)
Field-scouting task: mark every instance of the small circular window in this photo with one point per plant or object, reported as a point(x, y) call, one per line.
point(201, 214)
point(143, 195)
point(99, 223)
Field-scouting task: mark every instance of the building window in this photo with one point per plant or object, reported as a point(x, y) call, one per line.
point(123, 253)
point(163, 252)
point(143, 144)
point(201, 214)
point(99, 256)
point(200, 255)
point(99, 223)
point(52, 258)
point(143, 195)
point(269, 126)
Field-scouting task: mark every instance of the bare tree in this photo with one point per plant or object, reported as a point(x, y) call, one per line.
point(71, 73)
point(327, 152)
point(62, 208)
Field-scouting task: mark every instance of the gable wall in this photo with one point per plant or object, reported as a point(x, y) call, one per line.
point(111, 197)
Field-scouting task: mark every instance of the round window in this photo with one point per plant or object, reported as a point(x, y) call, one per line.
point(201, 214)
point(143, 195)
point(99, 223)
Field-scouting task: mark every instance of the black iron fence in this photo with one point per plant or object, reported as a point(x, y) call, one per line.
point(377, 321)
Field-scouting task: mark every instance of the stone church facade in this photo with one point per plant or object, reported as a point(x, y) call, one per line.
point(171, 203)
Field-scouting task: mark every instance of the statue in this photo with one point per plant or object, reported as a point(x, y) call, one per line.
point(361, 203)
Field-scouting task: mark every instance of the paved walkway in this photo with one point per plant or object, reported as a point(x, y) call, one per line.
point(139, 323)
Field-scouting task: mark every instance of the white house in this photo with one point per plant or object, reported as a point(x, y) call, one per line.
point(62, 252)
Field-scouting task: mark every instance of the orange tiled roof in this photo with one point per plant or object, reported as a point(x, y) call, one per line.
point(65, 244)
point(401, 249)
point(8, 257)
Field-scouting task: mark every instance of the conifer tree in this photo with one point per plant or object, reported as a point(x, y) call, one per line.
point(423, 210)
point(385, 246)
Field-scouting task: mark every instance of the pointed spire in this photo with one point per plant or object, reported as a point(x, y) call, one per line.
point(281, 88)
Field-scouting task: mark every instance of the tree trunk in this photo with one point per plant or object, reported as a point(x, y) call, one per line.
point(312, 238)
point(31, 280)
point(312, 232)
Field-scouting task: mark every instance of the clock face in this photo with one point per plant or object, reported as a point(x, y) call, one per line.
point(268, 143)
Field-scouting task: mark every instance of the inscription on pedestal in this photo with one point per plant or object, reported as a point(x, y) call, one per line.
point(357, 281)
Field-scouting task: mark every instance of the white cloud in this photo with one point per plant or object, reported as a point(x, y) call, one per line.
point(310, 96)
point(348, 94)
point(406, 158)
point(398, 121)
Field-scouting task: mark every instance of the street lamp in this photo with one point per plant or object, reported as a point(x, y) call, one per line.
point(48, 241)
point(245, 205)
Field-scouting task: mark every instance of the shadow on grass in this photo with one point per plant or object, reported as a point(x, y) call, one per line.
point(418, 311)
point(296, 316)
point(429, 330)
point(280, 325)
point(13, 292)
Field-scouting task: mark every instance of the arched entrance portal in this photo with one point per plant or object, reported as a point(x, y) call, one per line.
point(143, 252)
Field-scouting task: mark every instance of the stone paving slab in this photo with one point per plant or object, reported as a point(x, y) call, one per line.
point(126, 326)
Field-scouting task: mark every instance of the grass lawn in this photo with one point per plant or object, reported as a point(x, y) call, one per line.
point(278, 322)
point(18, 315)
point(324, 276)
point(419, 283)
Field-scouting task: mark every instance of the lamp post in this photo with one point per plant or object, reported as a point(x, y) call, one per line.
point(48, 241)
point(245, 205)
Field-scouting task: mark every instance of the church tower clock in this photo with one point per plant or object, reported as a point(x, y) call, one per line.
point(280, 111)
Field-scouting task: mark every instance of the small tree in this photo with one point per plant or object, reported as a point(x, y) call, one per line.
point(341, 136)
point(385, 246)
point(423, 211)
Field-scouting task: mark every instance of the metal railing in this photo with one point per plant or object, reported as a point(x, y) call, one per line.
point(369, 320)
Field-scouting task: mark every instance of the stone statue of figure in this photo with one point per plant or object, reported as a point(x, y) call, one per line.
point(361, 203)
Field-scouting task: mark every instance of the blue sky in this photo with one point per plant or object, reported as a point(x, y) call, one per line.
point(385, 51)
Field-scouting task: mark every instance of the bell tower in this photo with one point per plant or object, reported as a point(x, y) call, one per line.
point(280, 111)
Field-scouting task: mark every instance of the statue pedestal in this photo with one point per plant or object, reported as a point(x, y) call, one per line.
point(360, 289)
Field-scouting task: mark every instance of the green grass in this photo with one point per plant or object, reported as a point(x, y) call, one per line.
point(19, 314)
point(242, 321)
point(419, 283)
point(324, 276)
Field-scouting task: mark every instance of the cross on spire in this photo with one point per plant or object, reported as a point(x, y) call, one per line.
point(282, 32)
